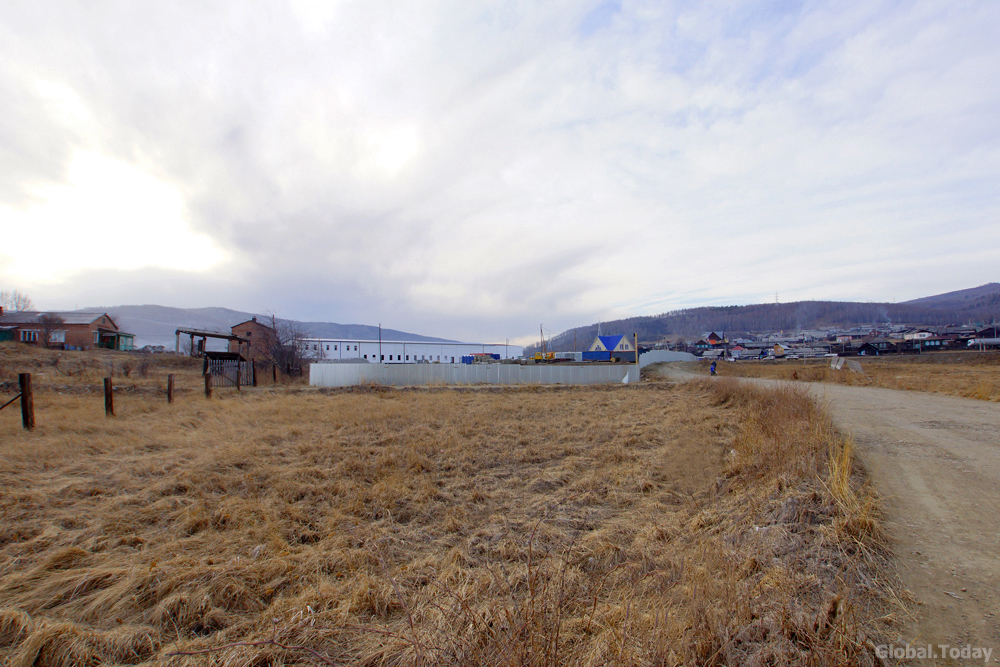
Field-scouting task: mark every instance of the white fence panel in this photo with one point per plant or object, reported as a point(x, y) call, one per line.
point(346, 375)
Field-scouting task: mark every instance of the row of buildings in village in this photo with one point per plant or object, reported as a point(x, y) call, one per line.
point(856, 341)
point(70, 330)
point(255, 340)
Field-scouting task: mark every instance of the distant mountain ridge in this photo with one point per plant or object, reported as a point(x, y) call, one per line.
point(155, 325)
point(977, 304)
point(984, 297)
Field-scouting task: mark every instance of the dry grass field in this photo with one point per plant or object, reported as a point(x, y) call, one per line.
point(966, 374)
point(83, 372)
point(630, 525)
point(76, 371)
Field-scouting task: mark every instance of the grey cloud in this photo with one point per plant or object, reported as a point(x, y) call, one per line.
point(586, 150)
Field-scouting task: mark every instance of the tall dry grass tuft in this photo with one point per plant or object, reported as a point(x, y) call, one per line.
point(646, 524)
point(800, 560)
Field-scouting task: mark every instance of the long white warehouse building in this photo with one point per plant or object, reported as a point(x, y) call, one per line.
point(402, 352)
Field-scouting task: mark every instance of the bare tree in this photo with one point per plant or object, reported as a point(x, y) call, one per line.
point(50, 323)
point(14, 300)
point(284, 345)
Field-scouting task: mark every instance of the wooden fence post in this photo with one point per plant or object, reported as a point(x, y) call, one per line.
point(27, 401)
point(170, 388)
point(253, 370)
point(274, 373)
point(208, 385)
point(109, 398)
point(239, 379)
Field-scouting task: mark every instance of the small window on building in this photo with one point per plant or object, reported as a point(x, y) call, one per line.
point(97, 337)
point(366, 356)
point(58, 336)
point(334, 348)
point(407, 357)
point(383, 358)
point(327, 348)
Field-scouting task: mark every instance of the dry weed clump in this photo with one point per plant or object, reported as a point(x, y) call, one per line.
point(697, 525)
point(963, 374)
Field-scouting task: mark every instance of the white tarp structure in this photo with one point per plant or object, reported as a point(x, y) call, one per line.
point(347, 375)
point(662, 356)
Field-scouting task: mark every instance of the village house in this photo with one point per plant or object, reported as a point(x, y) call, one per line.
point(258, 338)
point(701, 345)
point(605, 348)
point(65, 330)
point(918, 334)
point(878, 346)
point(934, 343)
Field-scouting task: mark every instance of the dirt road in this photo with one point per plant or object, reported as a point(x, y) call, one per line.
point(936, 461)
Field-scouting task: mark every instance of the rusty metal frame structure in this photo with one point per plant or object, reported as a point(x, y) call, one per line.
point(204, 335)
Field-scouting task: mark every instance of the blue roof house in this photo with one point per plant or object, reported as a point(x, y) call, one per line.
point(611, 344)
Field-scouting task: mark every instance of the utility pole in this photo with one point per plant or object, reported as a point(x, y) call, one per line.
point(635, 337)
point(380, 342)
point(541, 332)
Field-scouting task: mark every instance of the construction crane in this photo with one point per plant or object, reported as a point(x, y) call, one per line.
point(543, 356)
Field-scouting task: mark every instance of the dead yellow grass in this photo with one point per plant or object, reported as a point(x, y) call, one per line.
point(83, 372)
point(965, 374)
point(76, 371)
point(699, 525)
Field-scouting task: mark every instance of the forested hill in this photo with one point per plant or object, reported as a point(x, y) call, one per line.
point(957, 308)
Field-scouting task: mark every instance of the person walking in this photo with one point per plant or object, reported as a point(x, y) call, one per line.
point(712, 368)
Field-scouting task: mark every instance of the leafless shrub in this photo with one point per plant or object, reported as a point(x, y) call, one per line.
point(50, 323)
point(145, 366)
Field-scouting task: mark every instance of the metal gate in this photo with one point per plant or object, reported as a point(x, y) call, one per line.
point(225, 371)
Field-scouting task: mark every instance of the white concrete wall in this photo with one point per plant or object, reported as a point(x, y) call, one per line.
point(346, 375)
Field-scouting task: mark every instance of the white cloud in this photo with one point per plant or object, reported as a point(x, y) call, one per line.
point(470, 170)
point(106, 214)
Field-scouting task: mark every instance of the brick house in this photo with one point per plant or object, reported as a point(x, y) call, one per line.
point(260, 336)
point(66, 330)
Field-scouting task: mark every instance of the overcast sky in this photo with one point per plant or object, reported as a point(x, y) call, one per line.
point(472, 169)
